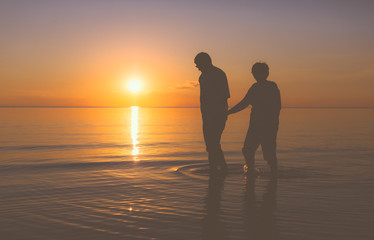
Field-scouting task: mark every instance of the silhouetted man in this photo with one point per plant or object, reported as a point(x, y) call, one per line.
point(214, 92)
point(264, 96)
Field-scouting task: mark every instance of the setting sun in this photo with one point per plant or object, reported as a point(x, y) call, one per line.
point(134, 85)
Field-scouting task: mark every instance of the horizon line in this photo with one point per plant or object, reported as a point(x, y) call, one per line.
point(336, 107)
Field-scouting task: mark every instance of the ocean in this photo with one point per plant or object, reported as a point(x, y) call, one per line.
point(142, 173)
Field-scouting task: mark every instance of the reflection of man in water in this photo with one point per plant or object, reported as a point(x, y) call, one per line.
point(214, 92)
point(264, 96)
point(213, 226)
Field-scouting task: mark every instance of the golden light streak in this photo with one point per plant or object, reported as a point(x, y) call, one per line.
point(134, 131)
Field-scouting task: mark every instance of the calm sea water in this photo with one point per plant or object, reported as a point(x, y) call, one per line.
point(141, 173)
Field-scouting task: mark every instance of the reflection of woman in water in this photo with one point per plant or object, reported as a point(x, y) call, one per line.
point(213, 227)
point(259, 214)
point(259, 219)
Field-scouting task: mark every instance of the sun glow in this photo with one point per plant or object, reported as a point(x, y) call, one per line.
point(134, 85)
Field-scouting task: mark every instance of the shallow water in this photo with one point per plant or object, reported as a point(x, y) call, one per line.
point(138, 173)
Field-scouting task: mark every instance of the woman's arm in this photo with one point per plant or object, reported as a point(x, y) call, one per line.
point(242, 104)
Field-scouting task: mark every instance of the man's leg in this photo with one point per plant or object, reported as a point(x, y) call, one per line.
point(213, 166)
point(251, 144)
point(221, 161)
point(208, 143)
point(220, 156)
point(212, 135)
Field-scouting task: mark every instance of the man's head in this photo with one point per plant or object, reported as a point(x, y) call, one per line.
point(203, 61)
point(260, 71)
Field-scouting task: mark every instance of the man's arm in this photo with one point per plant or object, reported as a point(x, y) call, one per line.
point(277, 103)
point(242, 104)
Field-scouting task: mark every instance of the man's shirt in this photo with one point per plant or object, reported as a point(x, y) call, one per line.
point(214, 92)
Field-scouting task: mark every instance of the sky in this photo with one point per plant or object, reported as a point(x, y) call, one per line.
point(83, 52)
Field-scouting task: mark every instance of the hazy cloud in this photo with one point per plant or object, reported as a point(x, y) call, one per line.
point(187, 85)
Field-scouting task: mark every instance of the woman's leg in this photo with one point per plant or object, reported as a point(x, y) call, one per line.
point(251, 143)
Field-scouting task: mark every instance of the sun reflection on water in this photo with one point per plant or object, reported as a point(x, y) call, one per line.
point(134, 132)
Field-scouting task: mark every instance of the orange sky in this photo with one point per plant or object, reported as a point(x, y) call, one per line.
point(80, 53)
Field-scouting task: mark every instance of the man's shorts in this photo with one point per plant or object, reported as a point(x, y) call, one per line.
point(213, 130)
